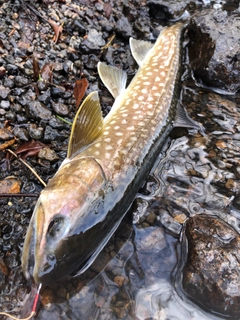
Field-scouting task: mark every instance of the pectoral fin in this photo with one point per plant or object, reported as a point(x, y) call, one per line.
point(140, 49)
point(114, 79)
point(87, 125)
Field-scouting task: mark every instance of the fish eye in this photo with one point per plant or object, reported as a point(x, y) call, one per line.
point(55, 226)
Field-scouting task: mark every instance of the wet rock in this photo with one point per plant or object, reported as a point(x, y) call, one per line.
point(153, 240)
point(4, 92)
point(35, 132)
point(22, 118)
point(11, 69)
point(5, 104)
point(9, 83)
point(169, 222)
point(5, 134)
point(21, 81)
point(211, 276)
point(78, 26)
point(60, 108)
point(51, 134)
point(123, 27)
point(21, 133)
point(37, 110)
point(213, 53)
point(56, 92)
point(10, 116)
point(48, 154)
point(45, 97)
point(67, 66)
point(56, 123)
point(95, 37)
point(165, 9)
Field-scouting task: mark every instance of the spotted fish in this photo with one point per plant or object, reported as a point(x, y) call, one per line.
point(107, 161)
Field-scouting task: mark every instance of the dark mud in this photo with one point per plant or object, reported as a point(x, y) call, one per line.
point(197, 173)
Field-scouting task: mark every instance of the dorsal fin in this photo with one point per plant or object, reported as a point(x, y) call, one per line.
point(139, 49)
point(87, 124)
point(114, 79)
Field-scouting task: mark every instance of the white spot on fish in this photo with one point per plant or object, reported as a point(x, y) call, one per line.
point(97, 153)
point(144, 91)
point(149, 113)
point(107, 140)
point(119, 134)
point(107, 155)
point(98, 145)
point(149, 73)
point(131, 128)
point(135, 106)
point(133, 138)
point(140, 98)
point(116, 127)
point(105, 133)
point(154, 88)
point(108, 147)
point(158, 79)
point(146, 83)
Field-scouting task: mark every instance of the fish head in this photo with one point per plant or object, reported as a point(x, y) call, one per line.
point(59, 239)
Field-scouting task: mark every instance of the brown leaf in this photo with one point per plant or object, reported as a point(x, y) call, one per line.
point(46, 72)
point(3, 267)
point(79, 90)
point(36, 70)
point(57, 30)
point(29, 149)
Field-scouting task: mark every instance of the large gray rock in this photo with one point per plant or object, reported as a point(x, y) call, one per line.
point(211, 276)
point(214, 50)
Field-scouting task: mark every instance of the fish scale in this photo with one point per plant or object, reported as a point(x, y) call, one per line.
point(107, 162)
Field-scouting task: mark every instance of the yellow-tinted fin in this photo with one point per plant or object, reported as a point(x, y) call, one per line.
point(87, 125)
point(114, 79)
point(140, 49)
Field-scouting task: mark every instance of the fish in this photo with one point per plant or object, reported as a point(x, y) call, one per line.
point(107, 161)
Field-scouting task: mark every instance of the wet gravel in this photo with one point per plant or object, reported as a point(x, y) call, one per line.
point(199, 174)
